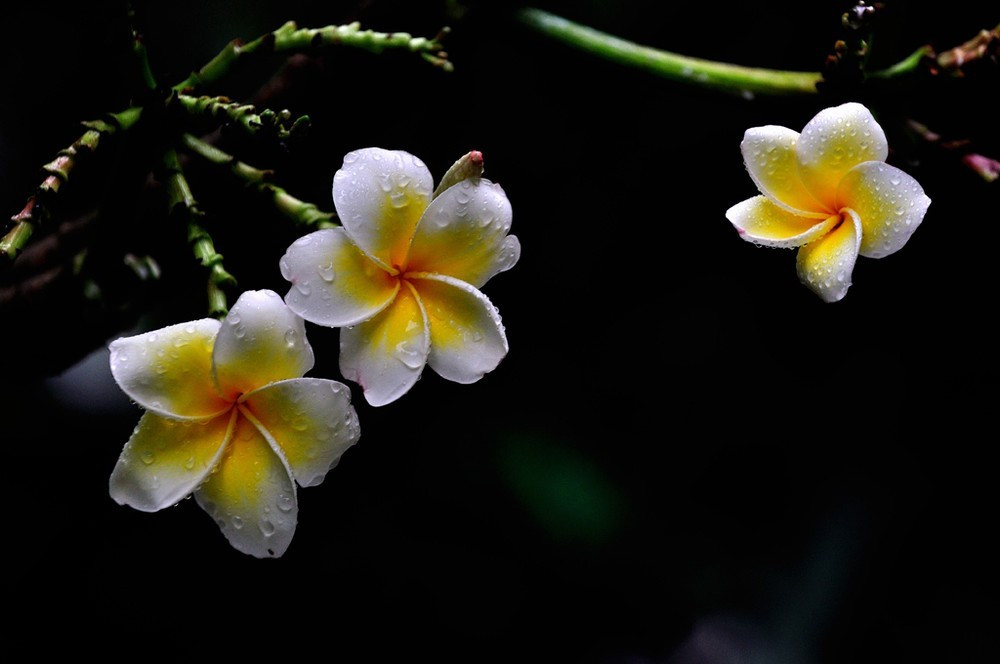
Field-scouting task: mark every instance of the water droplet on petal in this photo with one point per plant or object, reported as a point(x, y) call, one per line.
point(285, 503)
point(147, 457)
point(266, 527)
point(408, 354)
point(326, 272)
point(237, 522)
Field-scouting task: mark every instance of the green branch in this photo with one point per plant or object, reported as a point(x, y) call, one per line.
point(298, 211)
point(289, 38)
point(37, 209)
point(738, 79)
point(181, 203)
point(245, 116)
point(907, 65)
point(695, 71)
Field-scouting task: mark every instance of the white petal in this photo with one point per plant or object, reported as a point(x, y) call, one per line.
point(825, 266)
point(165, 460)
point(467, 337)
point(464, 234)
point(261, 341)
point(333, 282)
point(310, 419)
point(760, 221)
point(769, 155)
point(386, 355)
point(169, 371)
point(380, 195)
point(834, 142)
point(890, 203)
point(251, 494)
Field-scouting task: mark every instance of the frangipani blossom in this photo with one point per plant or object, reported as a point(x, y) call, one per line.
point(402, 276)
point(828, 191)
point(229, 418)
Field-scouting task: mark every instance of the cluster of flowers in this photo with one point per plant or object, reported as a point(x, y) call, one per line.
point(229, 416)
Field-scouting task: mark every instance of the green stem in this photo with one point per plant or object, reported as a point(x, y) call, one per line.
point(181, 202)
point(298, 211)
point(37, 209)
point(289, 38)
point(907, 65)
point(722, 76)
point(732, 78)
point(245, 116)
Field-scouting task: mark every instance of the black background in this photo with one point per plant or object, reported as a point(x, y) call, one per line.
point(686, 456)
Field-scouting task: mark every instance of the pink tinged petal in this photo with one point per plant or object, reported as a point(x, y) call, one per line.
point(464, 234)
point(261, 341)
point(769, 156)
point(333, 282)
point(251, 494)
point(169, 371)
point(825, 266)
point(165, 460)
point(760, 221)
point(467, 337)
point(386, 355)
point(890, 203)
point(380, 195)
point(310, 419)
point(834, 142)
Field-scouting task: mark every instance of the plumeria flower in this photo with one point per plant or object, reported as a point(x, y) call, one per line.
point(829, 192)
point(402, 276)
point(229, 418)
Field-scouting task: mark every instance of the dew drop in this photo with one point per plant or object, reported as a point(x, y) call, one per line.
point(290, 338)
point(266, 527)
point(237, 522)
point(189, 464)
point(408, 354)
point(303, 287)
point(147, 457)
point(285, 503)
point(326, 272)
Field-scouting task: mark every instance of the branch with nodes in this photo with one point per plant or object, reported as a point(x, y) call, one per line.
point(181, 204)
point(245, 116)
point(290, 39)
point(38, 209)
point(299, 212)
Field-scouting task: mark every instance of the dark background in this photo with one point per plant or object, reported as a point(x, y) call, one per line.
point(686, 457)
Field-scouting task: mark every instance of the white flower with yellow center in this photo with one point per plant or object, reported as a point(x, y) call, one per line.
point(230, 418)
point(402, 276)
point(828, 191)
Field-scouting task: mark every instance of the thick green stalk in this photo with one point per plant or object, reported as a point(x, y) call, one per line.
point(738, 79)
point(289, 38)
point(181, 202)
point(245, 116)
point(37, 209)
point(721, 76)
point(298, 211)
